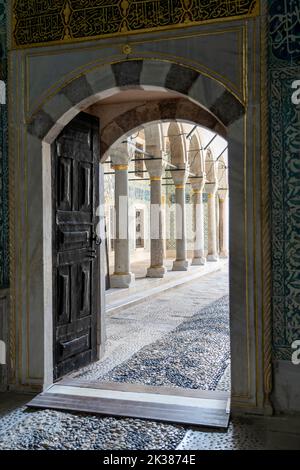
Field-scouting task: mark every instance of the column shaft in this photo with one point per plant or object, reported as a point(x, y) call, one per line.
point(198, 227)
point(122, 276)
point(223, 228)
point(157, 268)
point(181, 263)
point(212, 228)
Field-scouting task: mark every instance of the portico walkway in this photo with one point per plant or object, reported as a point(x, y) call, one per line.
point(131, 327)
point(143, 288)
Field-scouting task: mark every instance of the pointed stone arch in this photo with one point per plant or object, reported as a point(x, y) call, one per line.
point(195, 155)
point(178, 156)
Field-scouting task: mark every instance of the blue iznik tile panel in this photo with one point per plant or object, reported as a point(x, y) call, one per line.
point(4, 258)
point(284, 70)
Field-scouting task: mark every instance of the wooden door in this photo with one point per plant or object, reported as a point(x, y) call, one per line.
point(76, 269)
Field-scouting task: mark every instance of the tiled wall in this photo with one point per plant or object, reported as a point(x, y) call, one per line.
point(4, 268)
point(284, 69)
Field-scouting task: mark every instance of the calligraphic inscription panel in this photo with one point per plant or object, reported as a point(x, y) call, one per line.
point(285, 30)
point(41, 22)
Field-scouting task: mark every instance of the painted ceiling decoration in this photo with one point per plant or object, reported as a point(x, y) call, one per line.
point(38, 22)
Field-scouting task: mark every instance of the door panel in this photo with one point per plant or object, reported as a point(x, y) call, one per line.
point(76, 270)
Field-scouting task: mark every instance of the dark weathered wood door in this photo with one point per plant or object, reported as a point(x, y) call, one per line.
point(76, 270)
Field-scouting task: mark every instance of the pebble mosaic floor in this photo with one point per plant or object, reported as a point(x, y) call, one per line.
point(195, 355)
point(55, 430)
point(49, 429)
point(154, 318)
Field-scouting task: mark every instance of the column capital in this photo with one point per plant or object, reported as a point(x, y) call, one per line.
point(121, 154)
point(223, 194)
point(180, 177)
point(198, 183)
point(211, 188)
point(157, 165)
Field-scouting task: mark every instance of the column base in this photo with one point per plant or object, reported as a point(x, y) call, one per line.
point(224, 255)
point(122, 281)
point(181, 265)
point(158, 272)
point(198, 262)
point(212, 258)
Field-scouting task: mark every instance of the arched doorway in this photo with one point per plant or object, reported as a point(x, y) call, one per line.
point(227, 117)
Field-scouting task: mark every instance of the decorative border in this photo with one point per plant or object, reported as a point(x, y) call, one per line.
point(266, 229)
point(4, 212)
point(284, 134)
point(65, 21)
point(266, 316)
point(258, 352)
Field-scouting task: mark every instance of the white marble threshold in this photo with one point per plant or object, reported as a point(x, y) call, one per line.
point(141, 397)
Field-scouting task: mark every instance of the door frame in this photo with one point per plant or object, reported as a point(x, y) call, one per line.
point(30, 150)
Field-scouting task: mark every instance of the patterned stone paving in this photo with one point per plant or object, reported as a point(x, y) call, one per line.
point(55, 430)
point(48, 429)
point(240, 435)
point(195, 355)
point(149, 321)
point(145, 323)
point(247, 433)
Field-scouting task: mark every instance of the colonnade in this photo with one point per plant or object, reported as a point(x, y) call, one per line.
point(182, 174)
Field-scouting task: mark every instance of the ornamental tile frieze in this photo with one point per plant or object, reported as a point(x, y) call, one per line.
point(284, 69)
point(4, 216)
point(41, 22)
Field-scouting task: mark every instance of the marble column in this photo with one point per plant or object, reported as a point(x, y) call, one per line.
point(223, 223)
point(212, 226)
point(155, 169)
point(156, 268)
point(122, 277)
point(198, 221)
point(181, 263)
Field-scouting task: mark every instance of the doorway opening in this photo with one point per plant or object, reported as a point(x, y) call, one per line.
point(164, 188)
point(167, 315)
